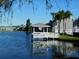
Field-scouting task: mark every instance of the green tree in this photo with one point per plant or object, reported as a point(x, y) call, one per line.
point(68, 14)
point(62, 15)
point(20, 29)
point(57, 17)
point(28, 27)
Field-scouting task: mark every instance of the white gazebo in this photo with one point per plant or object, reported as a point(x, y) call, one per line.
point(41, 27)
point(42, 31)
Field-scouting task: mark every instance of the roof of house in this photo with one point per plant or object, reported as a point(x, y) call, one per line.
point(40, 25)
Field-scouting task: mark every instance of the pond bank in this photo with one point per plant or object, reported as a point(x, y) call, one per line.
point(74, 42)
point(64, 46)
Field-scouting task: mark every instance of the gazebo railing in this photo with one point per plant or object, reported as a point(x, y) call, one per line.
point(45, 35)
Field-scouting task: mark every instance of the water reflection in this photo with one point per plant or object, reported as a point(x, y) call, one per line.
point(54, 50)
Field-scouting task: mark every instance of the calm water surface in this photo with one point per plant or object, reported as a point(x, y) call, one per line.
point(17, 45)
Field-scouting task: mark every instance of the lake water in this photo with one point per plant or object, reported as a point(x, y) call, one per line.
point(18, 45)
point(15, 45)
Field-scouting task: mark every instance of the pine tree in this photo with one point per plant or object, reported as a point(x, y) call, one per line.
point(28, 26)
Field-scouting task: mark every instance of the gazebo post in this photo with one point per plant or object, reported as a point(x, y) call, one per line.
point(43, 30)
point(33, 29)
point(47, 29)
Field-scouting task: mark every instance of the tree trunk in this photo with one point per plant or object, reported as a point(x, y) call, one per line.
point(63, 28)
point(59, 26)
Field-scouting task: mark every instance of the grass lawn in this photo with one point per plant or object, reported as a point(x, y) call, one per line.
point(67, 37)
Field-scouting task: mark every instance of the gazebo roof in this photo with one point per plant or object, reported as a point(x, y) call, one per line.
point(40, 25)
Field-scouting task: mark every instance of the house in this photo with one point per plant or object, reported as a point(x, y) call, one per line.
point(76, 29)
point(40, 30)
point(76, 25)
point(7, 28)
point(67, 28)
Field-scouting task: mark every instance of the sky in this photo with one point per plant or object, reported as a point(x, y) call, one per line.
point(40, 14)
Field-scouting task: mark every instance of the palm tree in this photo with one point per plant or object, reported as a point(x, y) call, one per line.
point(57, 17)
point(67, 16)
point(62, 15)
point(53, 17)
